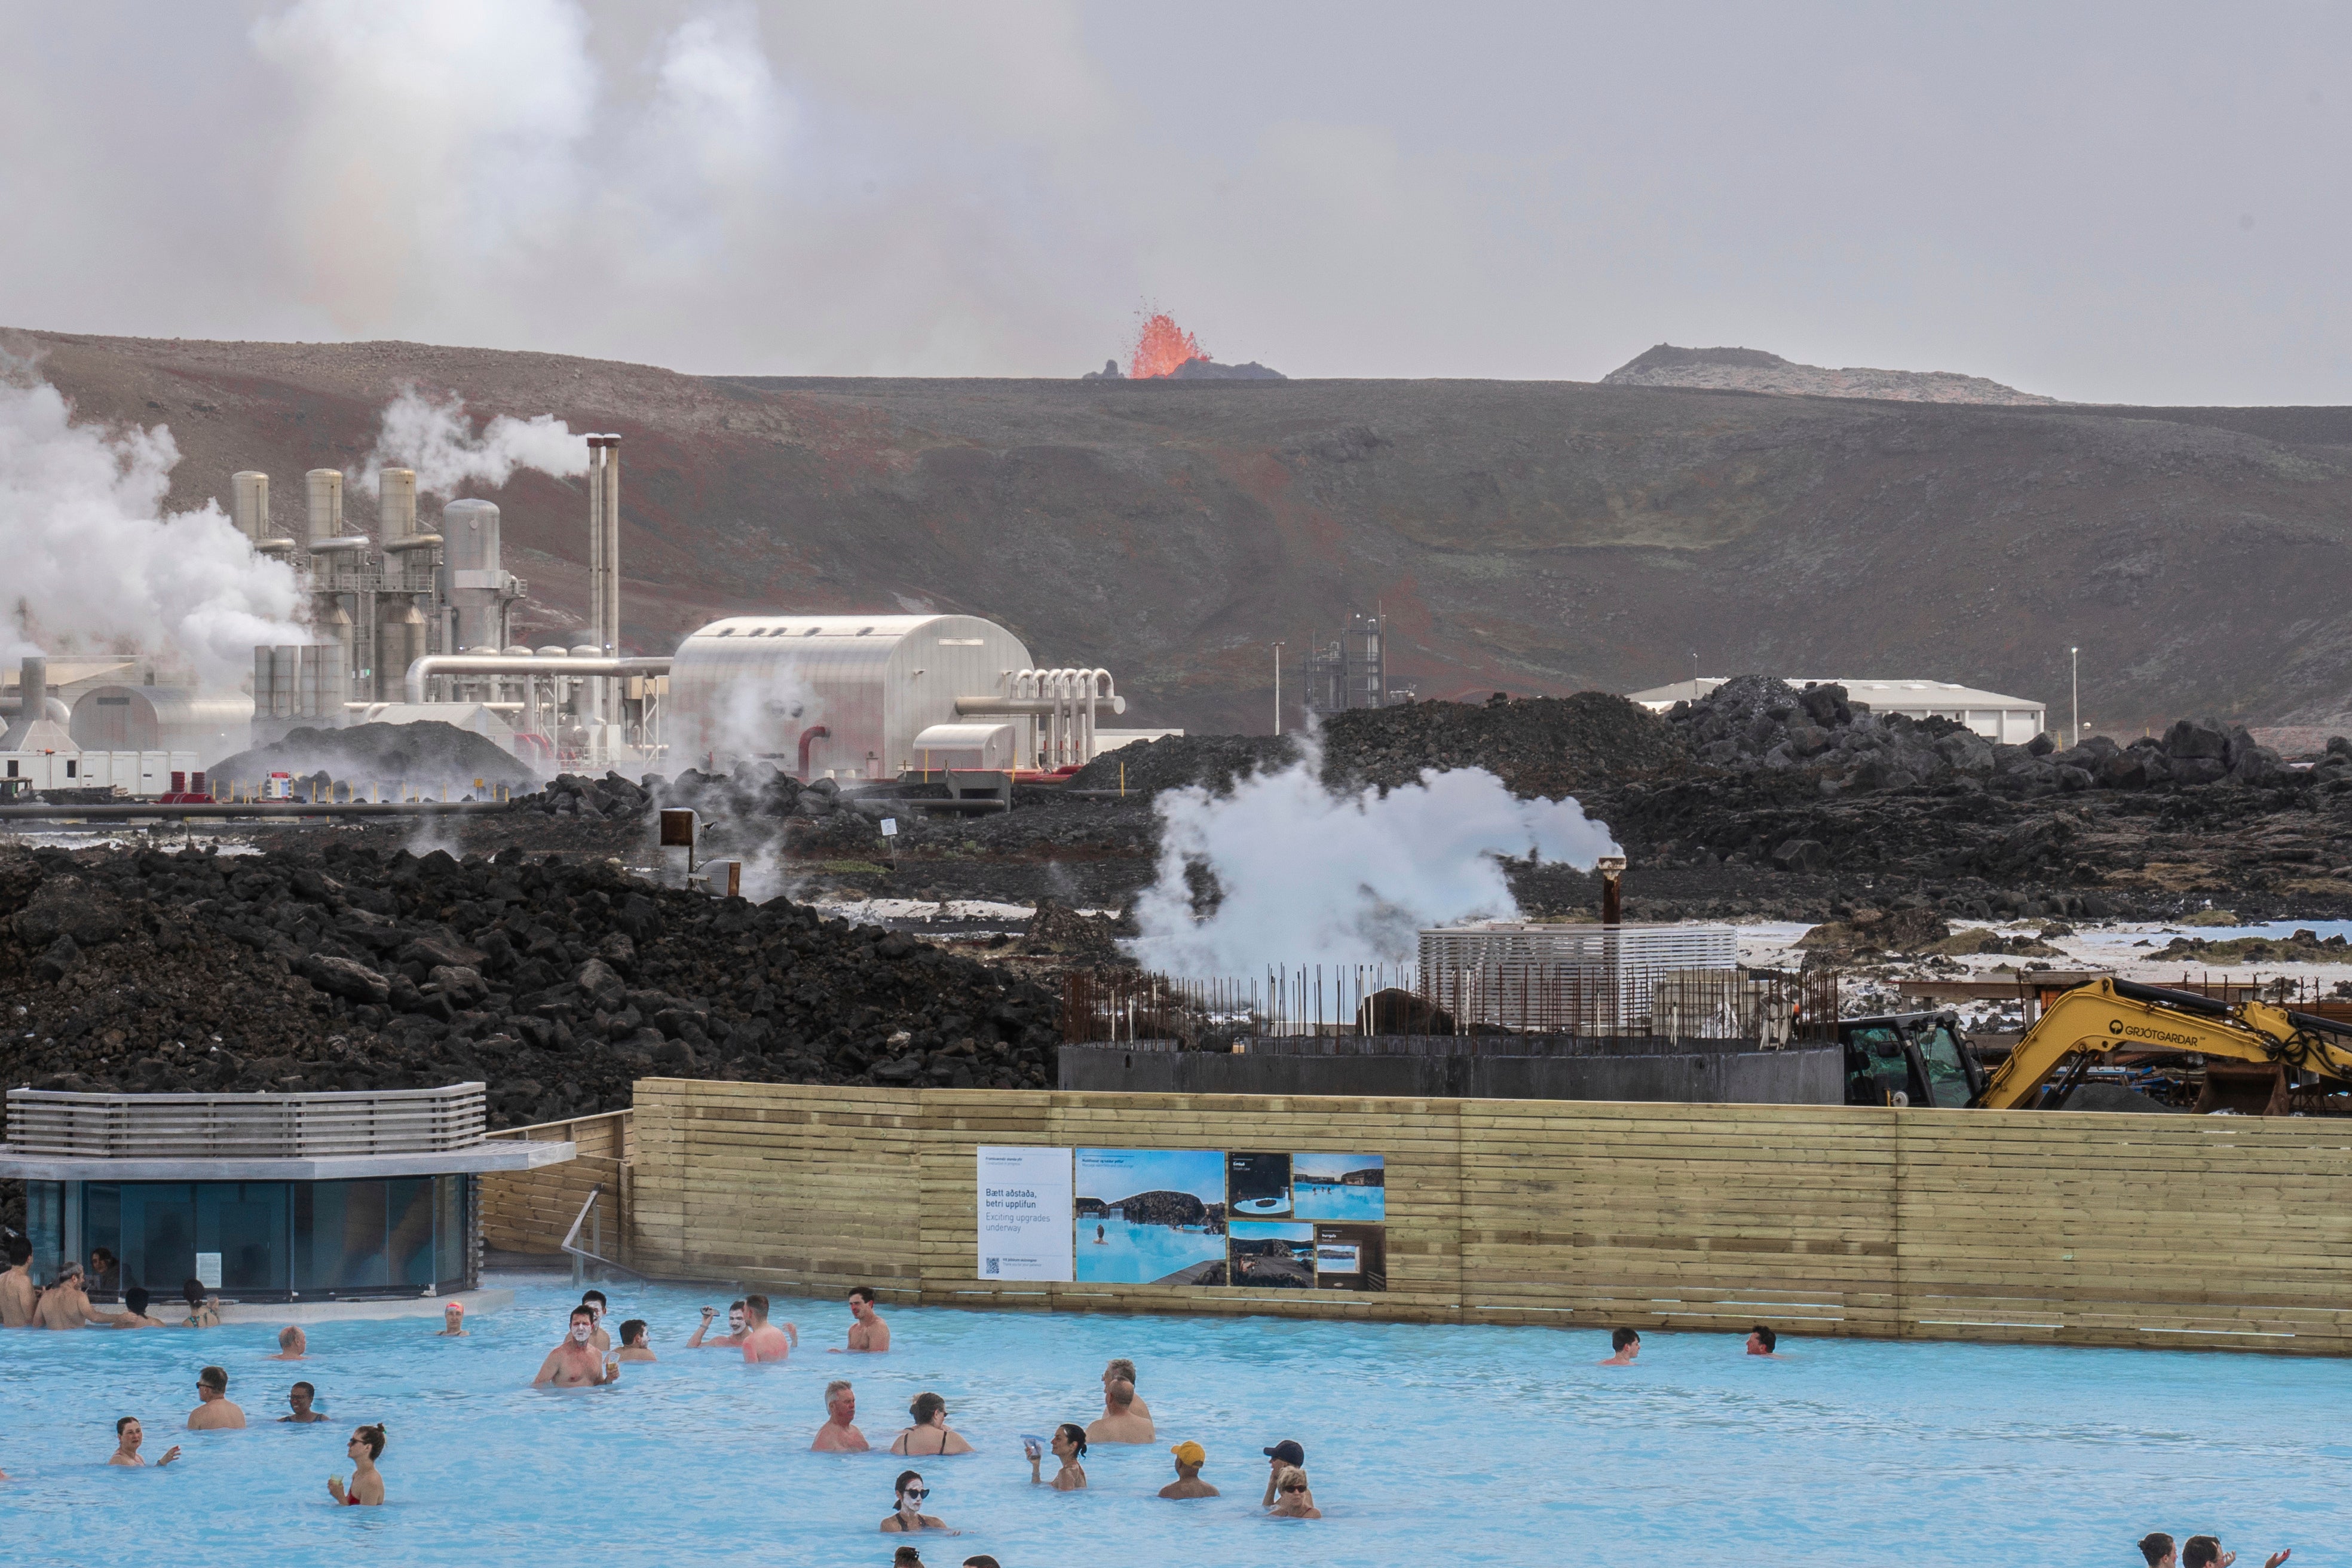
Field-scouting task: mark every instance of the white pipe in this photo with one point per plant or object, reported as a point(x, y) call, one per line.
point(613, 710)
point(434, 664)
point(596, 542)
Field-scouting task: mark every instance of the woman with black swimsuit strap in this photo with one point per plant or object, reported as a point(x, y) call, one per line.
point(929, 1414)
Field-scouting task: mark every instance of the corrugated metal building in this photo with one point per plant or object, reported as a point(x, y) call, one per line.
point(213, 725)
point(847, 696)
point(2006, 720)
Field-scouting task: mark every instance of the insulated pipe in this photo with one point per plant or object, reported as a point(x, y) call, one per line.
point(423, 671)
point(814, 733)
point(612, 570)
point(595, 628)
point(51, 708)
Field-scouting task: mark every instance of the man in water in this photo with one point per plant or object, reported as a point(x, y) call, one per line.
point(596, 1303)
point(1119, 1423)
point(1122, 1370)
point(1283, 1455)
point(19, 1297)
point(65, 1306)
point(135, 1300)
point(839, 1434)
point(1760, 1341)
point(868, 1334)
point(762, 1340)
point(731, 1339)
point(1624, 1344)
point(299, 1399)
point(292, 1345)
point(575, 1364)
point(453, 1322)
point(1190, 1457)
point(633, 1342)
point(128, 1436)
point(213, 1412)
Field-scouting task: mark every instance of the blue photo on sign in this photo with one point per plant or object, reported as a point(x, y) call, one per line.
point(1149, 1217)
point(1339, 1187)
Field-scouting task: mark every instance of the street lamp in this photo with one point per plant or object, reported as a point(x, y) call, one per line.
point(1278, 689)
point(2074, 680)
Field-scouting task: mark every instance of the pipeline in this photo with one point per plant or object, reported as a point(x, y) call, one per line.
point(433, 664)
point(250, 808)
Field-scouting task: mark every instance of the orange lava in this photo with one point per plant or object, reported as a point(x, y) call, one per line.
point(1162, 348)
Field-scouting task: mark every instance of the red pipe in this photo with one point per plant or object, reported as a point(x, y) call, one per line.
point(814, 733)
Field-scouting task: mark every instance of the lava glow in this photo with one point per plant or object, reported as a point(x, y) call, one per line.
point(1162, 348)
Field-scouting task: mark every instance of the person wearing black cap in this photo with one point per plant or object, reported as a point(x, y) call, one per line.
point(1283, 1455)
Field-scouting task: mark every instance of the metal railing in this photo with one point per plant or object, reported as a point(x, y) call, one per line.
point(247, 1126)
point(586, 1259)
point(1774, 1008)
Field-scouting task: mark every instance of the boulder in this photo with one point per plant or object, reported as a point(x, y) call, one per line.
point(2257, 766)
point(1801, 855)
point(598, 981)
point(2191, 739)
point(346, 978)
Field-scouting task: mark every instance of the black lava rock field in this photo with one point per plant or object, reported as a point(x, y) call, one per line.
point(555, 981)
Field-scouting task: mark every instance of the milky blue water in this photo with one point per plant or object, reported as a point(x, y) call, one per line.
point(1140, 1254)
point(1470, 1445)
point(1331, 1200)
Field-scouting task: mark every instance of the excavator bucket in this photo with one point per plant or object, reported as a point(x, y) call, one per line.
point(2249, 1089)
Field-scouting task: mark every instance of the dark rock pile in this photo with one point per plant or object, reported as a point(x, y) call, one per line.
point(432, 755)
point(558, 983)
point(1548, 746)
point(1172, 762)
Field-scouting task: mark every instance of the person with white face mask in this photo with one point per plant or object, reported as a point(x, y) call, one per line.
point(576, 1363)
point(738, 1328)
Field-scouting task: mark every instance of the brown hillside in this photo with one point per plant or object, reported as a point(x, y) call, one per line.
point(1541, 537)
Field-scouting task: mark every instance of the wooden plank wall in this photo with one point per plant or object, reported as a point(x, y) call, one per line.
point(529, 1211)
point(2025, 1227)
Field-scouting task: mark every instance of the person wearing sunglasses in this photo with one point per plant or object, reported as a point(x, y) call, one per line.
point(365, 1447)
point(1294, 1499)
point(909, 1516)
point(214, 1411)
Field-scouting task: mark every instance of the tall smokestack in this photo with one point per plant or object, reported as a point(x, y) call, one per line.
point(396, 503)
point(1613, 876)
point(612, 489)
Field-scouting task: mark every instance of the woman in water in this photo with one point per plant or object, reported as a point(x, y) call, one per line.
point(908, 1516)
point(1293, 1497)
point(1069, 1442)
point(929, 1437)
point(367, 1482)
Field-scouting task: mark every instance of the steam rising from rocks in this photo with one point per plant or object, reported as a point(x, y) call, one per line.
point(1310, 876)
point(90, 561)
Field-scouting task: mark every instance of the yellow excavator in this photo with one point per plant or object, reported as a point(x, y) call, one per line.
point(2094, 1021)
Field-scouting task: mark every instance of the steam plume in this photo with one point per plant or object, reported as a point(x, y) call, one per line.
point(442, 446)
point(89, 559)
point(1308, 875)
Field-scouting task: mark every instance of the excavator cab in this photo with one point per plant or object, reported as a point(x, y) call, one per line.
point(1923, 1056)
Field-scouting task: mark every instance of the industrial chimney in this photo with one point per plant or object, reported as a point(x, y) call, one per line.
point(604, 561)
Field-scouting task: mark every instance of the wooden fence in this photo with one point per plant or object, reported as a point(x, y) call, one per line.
point(529, 1211)
point(2028, 1226)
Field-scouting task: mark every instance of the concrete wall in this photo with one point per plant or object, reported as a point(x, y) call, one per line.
point(1803, 1076)
point(2030, 1227)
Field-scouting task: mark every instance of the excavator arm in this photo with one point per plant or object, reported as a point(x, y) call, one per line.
point(2125, 1016)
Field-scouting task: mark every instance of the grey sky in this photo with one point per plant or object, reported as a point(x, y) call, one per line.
point(2113, 203)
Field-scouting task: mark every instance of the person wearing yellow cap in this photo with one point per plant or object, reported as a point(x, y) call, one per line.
point(1190, 1457)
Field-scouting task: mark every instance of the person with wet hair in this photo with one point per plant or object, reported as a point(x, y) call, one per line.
point(365, 1447)
point(134, 1316)
point(763, 1340)
point(597, 1306)
point(1624, 1344)
point(1119, 1423)
point(2205, 1551)
point(1763, 1341)
point(575, 1364)
point(909, 1516)
point(930, 1434)
point(634, 1338)
point(66, 1303)
point(868, 1334)
point(979, 1559)
point(204, 1311)
point(737, 1325)
point(293, 1345)
point(1122, 1370)
point(128, 1436)
point(18, 1295)
point(1069, 1445)
point(839, 1434)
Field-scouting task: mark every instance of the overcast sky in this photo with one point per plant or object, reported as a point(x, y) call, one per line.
point(2130, 203)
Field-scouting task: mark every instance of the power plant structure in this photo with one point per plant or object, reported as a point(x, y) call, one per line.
point(1353, 670)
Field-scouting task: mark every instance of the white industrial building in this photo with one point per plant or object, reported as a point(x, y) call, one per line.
point(862, 696)
point(2006, 720)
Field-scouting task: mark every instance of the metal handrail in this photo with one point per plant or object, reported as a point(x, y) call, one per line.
point(580, 1255)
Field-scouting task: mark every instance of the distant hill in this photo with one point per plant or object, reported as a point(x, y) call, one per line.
point(1753, 370)
point(1539, 537)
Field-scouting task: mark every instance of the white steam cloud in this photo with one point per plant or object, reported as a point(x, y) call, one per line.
point(90, 561)
point(1310, 876)
point(438, 440)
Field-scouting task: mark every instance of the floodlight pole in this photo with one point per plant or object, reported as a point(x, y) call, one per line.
point(2075, 658)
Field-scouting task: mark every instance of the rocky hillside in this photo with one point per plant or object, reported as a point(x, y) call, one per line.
point(1541, 538)
point(1753, 370)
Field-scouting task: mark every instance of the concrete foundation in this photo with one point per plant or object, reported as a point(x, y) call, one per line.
point(1691, 1072)
point(476, 1303)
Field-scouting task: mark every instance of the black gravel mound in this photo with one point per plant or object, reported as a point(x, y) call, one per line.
point(430, 755)
point(1173, 762)
point(556, 983)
